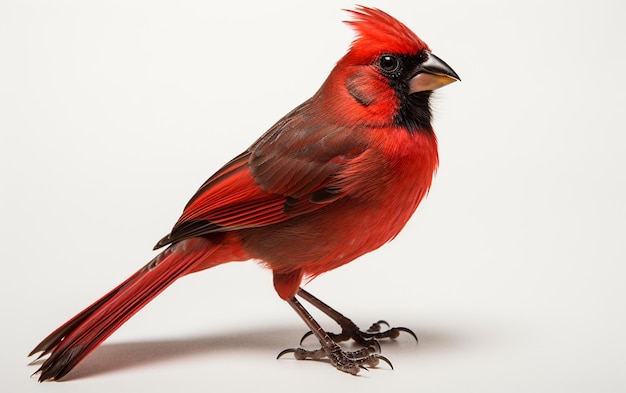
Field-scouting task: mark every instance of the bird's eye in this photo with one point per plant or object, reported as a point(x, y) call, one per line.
point(389, 64)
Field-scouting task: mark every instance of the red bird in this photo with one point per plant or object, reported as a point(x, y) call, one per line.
point(337, 177)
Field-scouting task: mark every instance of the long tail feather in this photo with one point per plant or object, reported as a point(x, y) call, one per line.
point(79, 336)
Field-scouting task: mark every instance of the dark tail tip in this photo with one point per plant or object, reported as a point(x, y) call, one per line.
point(59, 364)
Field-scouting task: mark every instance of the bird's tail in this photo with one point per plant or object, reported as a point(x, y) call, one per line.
point(75, 339)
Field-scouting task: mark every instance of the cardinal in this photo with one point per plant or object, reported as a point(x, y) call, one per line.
point(337, 177)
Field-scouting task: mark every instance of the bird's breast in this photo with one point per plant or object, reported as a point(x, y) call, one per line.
point(377, 206)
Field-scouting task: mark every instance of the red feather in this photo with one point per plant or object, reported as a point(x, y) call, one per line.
point(378, 32)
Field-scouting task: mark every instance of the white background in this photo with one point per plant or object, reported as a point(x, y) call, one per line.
point(112, 113)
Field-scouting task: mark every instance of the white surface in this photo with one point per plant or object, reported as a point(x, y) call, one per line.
point(512, 272)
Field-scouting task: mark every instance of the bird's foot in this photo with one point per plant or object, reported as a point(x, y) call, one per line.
point(368, 338)
point(350, 362)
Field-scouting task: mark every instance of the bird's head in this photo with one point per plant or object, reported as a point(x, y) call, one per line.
point(389, 72)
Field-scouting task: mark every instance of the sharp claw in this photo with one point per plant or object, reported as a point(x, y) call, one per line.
point(377, 344)
point(407, 330)
point(364, 368)
point(376, 326)
point(384, 359)
point(286, 351)
point(383, 322)
point(307, 334)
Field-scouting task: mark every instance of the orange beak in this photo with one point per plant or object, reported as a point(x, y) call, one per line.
point(432, 74)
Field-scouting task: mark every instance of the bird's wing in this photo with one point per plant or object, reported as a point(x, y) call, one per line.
point(295, 168)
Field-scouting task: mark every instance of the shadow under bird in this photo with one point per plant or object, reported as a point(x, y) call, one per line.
point(337, 177)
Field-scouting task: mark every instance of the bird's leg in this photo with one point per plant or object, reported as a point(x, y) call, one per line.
point(349, 362)
point(349, 330)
